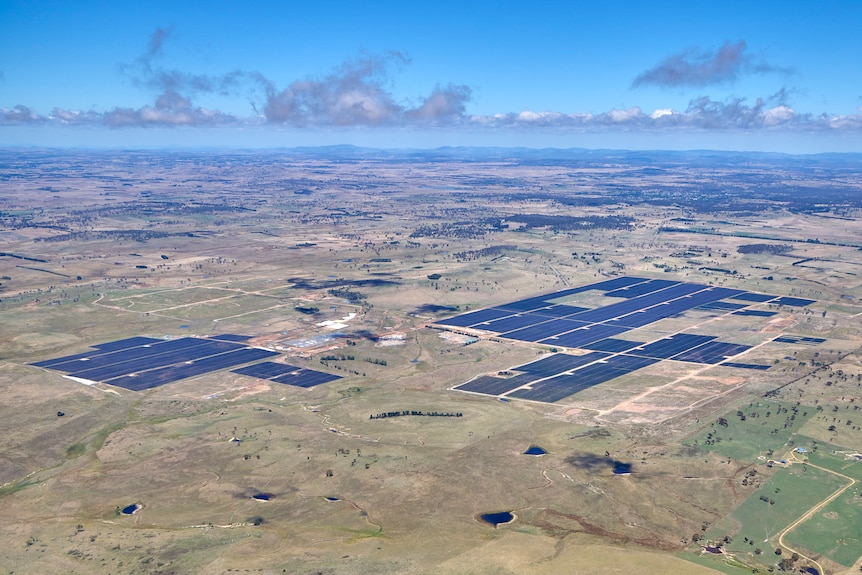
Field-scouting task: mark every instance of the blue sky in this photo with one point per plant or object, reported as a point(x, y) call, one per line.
point(773, 76)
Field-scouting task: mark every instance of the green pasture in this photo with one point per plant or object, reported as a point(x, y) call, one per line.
point(834, 531)
point(789, 494)
point(832, 457)
point(767, 427)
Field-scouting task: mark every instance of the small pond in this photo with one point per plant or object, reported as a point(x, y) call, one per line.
point(498, 518)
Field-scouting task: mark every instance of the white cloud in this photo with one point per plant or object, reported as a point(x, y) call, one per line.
point(625, 115)
point(662, 112)
point(778, 115)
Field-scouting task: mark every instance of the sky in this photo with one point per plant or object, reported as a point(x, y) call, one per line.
point(768, 76)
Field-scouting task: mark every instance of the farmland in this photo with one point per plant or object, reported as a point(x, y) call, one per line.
point(729, 309)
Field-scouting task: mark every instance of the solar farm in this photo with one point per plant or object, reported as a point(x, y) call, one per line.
point(216, 363)
point(591, 334)
point(140, 363)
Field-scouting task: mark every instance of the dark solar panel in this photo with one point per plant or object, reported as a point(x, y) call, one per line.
point(553, 389)
point(607, 285)
point(584, 336)
point(641, 289)
point(543, 318)
point(89, 370)
point(266, 369)
point(616, 283)
point(642, 318)
point(142, 363)
point(672, 346)
point(527, 304)
point(512, 323)
point(126, 343)
point(474, 317)
point(493, 385)
point(612, 345)
point(50, 363)
point(638, 303)
point(305, 378)
point(755, 297)
point(101, 358)
point(169, 374)
point(108, 350)
point(543, 330)
point(561, 386)
point(725, 293)
point(722, 305)
point(645, 301)
point(559, 310)
point(668, 309)
point(558, 363)
point(712, 352)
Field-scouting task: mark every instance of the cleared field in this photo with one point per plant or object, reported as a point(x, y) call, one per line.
point(159, 300)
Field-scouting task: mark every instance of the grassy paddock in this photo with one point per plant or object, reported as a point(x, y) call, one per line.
point(765, 430)
point(757, 522)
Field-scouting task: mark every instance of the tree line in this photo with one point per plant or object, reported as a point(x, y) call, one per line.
point(414, 413)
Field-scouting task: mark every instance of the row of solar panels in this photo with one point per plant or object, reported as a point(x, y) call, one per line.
point(542, 320)
point(560, 375)
point(139, 363)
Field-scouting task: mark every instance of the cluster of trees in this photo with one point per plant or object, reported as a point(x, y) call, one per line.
point(351, 296)
point(764, 249)
point(572, 223)
point(20, 257)
point(415, 413)
point(491, 251)
point(750, 478)
point(465, 230)
point(136, 235)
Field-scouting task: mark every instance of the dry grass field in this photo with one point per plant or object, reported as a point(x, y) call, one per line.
point(98, 247)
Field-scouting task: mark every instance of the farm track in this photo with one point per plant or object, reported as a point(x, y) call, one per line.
point(808, 514)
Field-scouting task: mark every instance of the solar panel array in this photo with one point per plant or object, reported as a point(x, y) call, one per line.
point(140, 363)
point(644, 301)
point(287, 374)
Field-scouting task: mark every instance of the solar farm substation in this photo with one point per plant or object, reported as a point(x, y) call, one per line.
point(602, 356)
point(140, 363)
